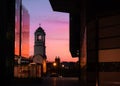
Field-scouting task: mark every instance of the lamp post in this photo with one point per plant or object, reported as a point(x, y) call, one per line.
point(54, 65)
point(62, 71)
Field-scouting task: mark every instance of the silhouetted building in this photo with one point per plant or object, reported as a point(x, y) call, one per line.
point(57, 60)
point(25, 30)
point(40, 48)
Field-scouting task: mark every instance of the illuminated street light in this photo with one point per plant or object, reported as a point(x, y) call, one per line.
point(54, 64)
point(63, 65)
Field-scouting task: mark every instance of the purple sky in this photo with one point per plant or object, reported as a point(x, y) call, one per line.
point(56, 26)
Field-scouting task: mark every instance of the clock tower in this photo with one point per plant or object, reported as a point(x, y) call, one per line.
point(39, 43)
point(40, 49)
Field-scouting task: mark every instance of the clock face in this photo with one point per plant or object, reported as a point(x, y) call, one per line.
point(39, 37)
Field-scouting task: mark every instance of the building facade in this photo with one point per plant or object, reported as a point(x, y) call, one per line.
point(25, 30)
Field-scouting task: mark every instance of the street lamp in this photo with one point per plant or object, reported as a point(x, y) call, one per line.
point(63, 65)
point(54, 67)
point(54, 64)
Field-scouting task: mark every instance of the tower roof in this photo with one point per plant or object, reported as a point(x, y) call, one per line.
point(40, 29)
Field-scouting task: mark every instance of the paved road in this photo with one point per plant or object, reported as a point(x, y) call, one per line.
point(60, 82)
point(52, 81)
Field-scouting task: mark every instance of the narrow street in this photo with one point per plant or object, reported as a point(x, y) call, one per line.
point(53, 81)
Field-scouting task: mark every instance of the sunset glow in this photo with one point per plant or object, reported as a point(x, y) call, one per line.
point(55, 25)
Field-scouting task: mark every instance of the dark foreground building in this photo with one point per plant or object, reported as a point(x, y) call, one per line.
point(94, 38)
point(100, 19)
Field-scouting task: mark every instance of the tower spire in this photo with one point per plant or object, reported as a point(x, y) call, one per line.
point(39, 25)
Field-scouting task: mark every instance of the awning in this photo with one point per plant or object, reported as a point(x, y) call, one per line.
point(65, 5)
